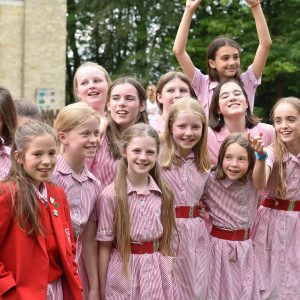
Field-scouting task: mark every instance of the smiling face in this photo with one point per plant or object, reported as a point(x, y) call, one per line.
point(226, 62)
point(235, 162)
point(186, 132)
point(40, 158)
point(124, 105)
point(92, 87)
point(141, 154)
point(172, 91)
point(287, 124)
point(232, 101)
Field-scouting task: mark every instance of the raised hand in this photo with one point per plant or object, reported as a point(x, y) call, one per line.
point(257, 143)
point(192, 4)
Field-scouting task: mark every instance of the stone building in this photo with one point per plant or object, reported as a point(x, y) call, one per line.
point(33, 50)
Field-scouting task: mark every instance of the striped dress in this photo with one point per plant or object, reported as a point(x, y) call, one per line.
point(103, 165)
point(276, 235)
point(150, 275)
point(192, 265)
point(83, 193)
point(235, 272)
point(4, 160)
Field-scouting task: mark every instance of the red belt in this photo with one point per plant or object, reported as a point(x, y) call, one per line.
point(281, 204)
point(231, 235)
point(187, 211)
point(144, 247)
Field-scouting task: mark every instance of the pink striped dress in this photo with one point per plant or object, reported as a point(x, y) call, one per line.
point(192, 265)
point(103, 166)
point(150, 275)
point(235, 272)
point(83, 193)
point(215, 139)
point(276, 235)
point(204, 88)
point(4, 160)
point(158, 123)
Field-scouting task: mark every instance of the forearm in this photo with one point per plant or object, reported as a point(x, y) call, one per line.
point(104, 255)
point(260, 174)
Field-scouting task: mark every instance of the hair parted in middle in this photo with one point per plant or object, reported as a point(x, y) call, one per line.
point(122, 219)
point(168, 153)
point(216, 120)
point(242, 140)
point(27, 204)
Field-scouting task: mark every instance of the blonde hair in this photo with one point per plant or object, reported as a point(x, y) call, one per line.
point(122, 219)
point(27, 204)
point(280, 148)
point(88, 64)
point(167, 156)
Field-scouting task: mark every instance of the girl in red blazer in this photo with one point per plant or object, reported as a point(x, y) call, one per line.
point(36, 239)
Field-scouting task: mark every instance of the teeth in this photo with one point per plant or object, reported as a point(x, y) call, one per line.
point(122, 112)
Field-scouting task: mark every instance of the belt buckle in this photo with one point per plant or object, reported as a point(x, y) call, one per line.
point(246, 234)
point(155, 245)
point(291, 206)
point(191, 212)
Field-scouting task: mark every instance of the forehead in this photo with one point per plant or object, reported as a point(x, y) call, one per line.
point(91, 123)
point(176, 83)
point(227, 50)
point(89, 71)
point(142, 142)
point(188, 116)
point(229, 87)
point(124, 88)
point(45, 141)
point(285, 109)
point(236, 149)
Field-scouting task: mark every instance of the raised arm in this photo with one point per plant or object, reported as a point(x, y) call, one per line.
point(264, 38)
point(261, 171)
point(179, 48)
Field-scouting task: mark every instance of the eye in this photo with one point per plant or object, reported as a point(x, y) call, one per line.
point(83, 82)
point(96, 133)
point(115, 98)
point(130, 98)
point(196, 127)
point(277, 121)
point(150, 152)
point(291, 119)
point(228, 157)
point(237, 93)
point(236, 57)
point(37, 154)
point(136, 150)
point(224, 95)
point(52, 153)
point(85, 133)
point(243, 158)
point(170, 90)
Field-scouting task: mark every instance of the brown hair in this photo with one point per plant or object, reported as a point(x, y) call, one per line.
point(212, 49)
point(216, 120)
point(113, 130)
point(122, 219)
point(164, 79)
point(167, 156)
point(280, 147)
point(27, 205)
point(242, 140)
point(27, 108)
point(8, 115)
point(88, 64)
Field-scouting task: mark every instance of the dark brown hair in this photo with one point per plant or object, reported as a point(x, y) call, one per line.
point(216, 120)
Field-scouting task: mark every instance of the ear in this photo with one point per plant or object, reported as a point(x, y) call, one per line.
point(211, 63)
point(158, 97)
point(143, 106)
point(108, 106)
point(62, 137)
point(18, 158)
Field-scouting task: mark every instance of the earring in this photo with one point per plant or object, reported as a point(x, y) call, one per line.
point(219, 118)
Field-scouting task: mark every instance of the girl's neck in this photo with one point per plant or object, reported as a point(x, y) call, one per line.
point(236, 124)
point(294, 148)
point(138, 181)
point(75, 163)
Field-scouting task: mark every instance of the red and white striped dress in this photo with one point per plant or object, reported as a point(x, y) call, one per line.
point(235, 272)
point(83, 192)
point(192, 265)
point(103, 165)
point(150, 275)
point(276, 235)
point(4, 160)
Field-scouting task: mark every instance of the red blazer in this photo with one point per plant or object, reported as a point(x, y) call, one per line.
point(24, 259)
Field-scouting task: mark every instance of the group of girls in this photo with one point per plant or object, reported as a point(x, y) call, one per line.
point(168, 211)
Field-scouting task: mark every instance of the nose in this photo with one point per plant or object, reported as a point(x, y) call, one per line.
point(234, 162)
point(188, 131)
point(121, 101)
point(46, 160)
point(284, 124)
point(142, 155)
point(177, 94)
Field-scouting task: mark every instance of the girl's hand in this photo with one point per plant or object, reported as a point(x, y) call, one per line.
point(257, 143)
point(192, 4)
point(102, 129)
point(202, 212)
point(253, 3)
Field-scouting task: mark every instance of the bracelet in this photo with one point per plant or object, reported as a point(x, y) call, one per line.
point(255, 4)
point(259, 156)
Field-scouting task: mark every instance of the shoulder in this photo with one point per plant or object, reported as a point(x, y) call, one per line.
point(55, 191)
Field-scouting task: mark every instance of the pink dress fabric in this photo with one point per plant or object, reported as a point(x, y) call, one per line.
point(204, 88)
point(215, 139)
point(276, 235)
point(192, 264)
point(83, 193)
point(235, 272)
point(103, 166)
point(150, 275)
point(158, 123)
point(4, 160)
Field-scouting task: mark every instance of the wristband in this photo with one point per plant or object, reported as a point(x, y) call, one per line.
point(261, 156)
point(255, 4)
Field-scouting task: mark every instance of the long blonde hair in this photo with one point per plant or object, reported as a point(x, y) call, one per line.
point(122, 220)
point(168, 156)
point(280, 148)
point(26, 205)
